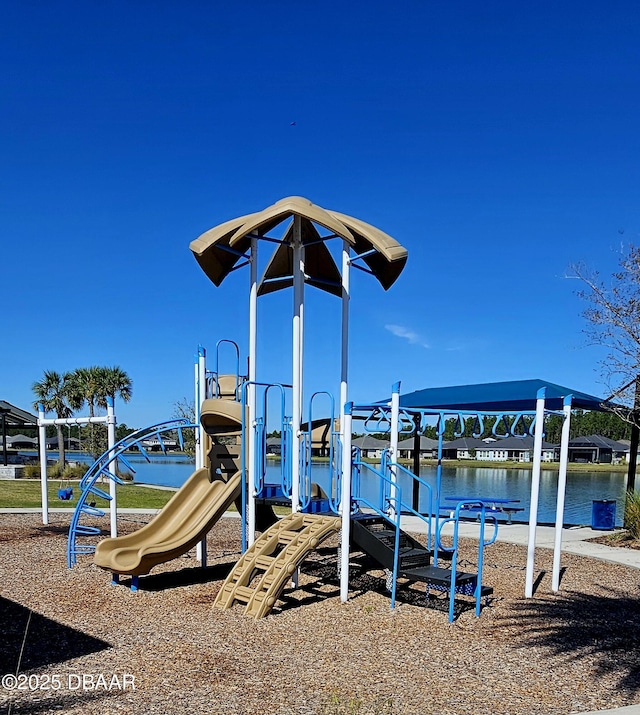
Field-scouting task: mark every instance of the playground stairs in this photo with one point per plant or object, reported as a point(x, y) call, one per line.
point(375, 536)
point(263, 571)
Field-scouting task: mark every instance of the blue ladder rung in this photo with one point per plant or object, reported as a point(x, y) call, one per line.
point(84, 549)
point(87, 530)
point(93, 489)
point(126, 463)
point(92, 510)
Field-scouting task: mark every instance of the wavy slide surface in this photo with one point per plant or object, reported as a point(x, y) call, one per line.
point(181, 524)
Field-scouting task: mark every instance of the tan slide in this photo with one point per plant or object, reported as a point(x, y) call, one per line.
point(182, 523)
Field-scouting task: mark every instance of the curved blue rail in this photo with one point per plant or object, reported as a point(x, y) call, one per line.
point(335, 457)
point(100, 468)
point(393, 502)
point(480, 506)
point(260, 455)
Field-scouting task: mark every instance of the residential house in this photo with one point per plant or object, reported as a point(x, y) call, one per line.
point(274, 446)
point(371, 447)
point(462, 448)
point(428, 448)
point(595, 448)
point(514, 449)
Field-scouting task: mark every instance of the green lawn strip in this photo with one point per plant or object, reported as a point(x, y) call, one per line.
point(25, 493)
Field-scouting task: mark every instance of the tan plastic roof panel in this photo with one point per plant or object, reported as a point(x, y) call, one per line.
point(214, 260)
point(283, 209)
point(320, 267)
point(390, 257)
point(386, 263)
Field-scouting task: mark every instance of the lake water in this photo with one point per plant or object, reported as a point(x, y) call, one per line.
point(582, 487)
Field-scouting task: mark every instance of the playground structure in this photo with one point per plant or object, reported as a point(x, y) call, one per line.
point(238, 408)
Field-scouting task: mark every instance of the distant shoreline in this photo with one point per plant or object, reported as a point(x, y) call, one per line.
point(482, 463)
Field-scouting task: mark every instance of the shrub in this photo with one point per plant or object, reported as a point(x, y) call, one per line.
point(31, 471)
point(75, 471)
point(632, 514)
point(54, 471)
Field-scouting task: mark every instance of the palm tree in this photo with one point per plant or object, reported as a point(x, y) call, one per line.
point(53, 393)
point(84, 386)
point(92, 385)
point(113, 382)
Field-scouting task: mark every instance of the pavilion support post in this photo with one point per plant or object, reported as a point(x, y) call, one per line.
point(562, 488)
point(111, 440)
point(635, 440)
point(3, 417)
point(415, 493)
point(633, 457)
point(394, 507)
point(201, 546)
point(535, 491)
point(251, 395)
point(345, 504)
point(42, 440)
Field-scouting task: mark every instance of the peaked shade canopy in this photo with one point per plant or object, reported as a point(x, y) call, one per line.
point(16, 417)
point(512, 396)
point(219, 249)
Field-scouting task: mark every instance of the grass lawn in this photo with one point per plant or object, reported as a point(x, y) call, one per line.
point(25, 493)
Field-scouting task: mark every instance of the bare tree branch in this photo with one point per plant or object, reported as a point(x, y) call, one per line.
point(613, 318)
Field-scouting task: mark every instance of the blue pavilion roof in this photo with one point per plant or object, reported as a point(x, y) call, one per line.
point(513, 396)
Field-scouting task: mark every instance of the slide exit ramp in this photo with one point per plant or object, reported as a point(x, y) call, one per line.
point(184, 521)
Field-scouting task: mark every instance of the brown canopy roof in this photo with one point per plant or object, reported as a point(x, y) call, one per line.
point(219, 249)
point(15, 417)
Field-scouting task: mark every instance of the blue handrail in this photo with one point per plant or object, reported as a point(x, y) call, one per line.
point(480, 506)
point(394, 506)
point(217, 363)
point(260, 456)
point(335, 460)
point(406, 508)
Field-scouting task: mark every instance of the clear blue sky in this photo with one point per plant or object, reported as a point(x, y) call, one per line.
point(498, 142)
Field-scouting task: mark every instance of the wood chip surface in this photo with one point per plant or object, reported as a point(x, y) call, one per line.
point(575, 651)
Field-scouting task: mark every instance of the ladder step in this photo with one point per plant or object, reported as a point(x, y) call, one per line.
point(243, 593)
point(264, 562)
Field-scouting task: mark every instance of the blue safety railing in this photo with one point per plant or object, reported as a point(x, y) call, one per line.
point(480, 506)
point(260, 453)
point(212, 384)
point(334, 445)
point(391, 513)
point(426, 516)
point(100, 468)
